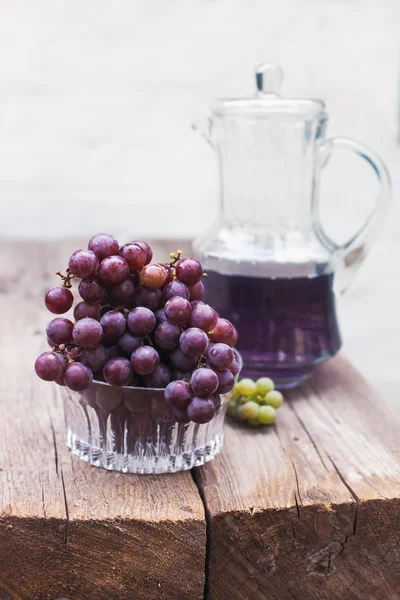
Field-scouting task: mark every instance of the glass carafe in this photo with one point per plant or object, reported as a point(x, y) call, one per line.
point(272, 269)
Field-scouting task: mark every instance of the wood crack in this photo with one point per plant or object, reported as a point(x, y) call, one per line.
point(328, 570)
point(43, 501)
point(66, 507)
point(343, 544)
point(297, 496)
point(196, 481)
point(308, 435)
point(297, 507)
point(54, 443)
point(352, 492)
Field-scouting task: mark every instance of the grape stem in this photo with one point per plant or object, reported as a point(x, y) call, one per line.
point(200, 360)
point(64, 349)
point(118, 308)
point(66, 279)
point(175, 257)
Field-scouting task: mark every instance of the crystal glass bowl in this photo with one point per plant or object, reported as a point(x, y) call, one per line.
point(132, 430)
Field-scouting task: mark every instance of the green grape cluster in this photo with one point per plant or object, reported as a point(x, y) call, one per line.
point(255, 401)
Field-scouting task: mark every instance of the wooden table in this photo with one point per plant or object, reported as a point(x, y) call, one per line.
point(306, 510)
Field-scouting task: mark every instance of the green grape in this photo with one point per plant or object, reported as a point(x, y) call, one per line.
point(232, 408)
point(264, 385)
point(254, 422)
point(250, 410)
point(245, 387)
point(258, 398)
point(242, 399)
point(234, 394)
point(266, 415)
point(274, 399)
point(239, 412)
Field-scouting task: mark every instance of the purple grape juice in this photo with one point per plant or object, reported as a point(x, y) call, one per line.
point(286, 325)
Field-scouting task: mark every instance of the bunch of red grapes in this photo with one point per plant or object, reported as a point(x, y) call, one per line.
point(140, 324)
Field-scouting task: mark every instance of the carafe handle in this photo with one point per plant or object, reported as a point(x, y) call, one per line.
point(351, 254)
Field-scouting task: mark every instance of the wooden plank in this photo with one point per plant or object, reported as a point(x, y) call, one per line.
point(68, 529)
point(310, 509)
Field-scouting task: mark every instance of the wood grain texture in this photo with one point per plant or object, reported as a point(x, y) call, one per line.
point(310, 509)
point(307, 510)
point(68, 529)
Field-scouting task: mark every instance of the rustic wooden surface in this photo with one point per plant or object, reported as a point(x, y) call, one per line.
point(309, 510)
point(306, 510)
point(68, 529)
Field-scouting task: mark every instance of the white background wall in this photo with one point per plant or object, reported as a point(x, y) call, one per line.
point(97, 98)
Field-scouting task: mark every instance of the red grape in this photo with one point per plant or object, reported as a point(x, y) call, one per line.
point(118, 371)
point(103, 245)
point(193, 342)
point(153, 276)
point(195, 303)
point(204, 382)
point(160, 411)
point(122, 293)
point(178, 310)
point(234, 338)
point(50, 366)
point(160, 378)
point(204, 317)
point(83, 263)
point(134, 255)
point(107, 399)
point(147, 297)
point(78, 377)
point(141, 321)
point(160, 315)
point(189, 271)
point(180, 374)
point(84, 309)
point(91, 290)
point(87, 333)
point(113, 270)
point(216, 399)
point(236, 364)
point(175, 288)
point(196, 291)
point(59, 331)
point(180, 415)
point(181, 360)
point(166, 335)
point(128, 343)
point(112, 352)
point(114, 325)
point(145, 360)
point(220, 356)
point(95, 359)
point(58, 299)
point(178, 394)
point(145, 246)
point(169, 272)
point(60, 381)
point(223, 331)
point(226, 381)
point(186, 338)
point(201, 410)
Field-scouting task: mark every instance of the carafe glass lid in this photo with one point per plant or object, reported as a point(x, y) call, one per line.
point(268, 101)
